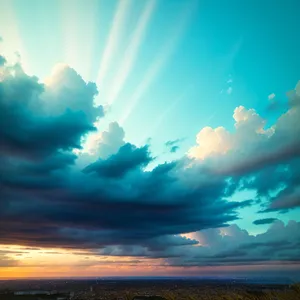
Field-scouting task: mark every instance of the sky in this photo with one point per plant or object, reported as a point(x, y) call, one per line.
point(149, 138)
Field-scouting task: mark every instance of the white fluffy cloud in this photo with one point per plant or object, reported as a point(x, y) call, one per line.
point(251, 145)
point(65, 89)
point(211, 141)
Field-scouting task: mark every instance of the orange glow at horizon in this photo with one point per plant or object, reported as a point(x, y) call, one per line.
point(51, 263)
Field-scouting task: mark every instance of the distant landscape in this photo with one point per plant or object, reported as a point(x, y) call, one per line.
point(148, 288)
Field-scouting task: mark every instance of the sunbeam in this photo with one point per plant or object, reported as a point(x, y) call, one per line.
point(131, 52)
point(113, 39)
point(78, 47)
point(10, 33)
point(155, 68)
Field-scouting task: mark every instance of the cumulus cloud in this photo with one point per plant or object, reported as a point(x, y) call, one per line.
point(211, 141)
point(66, 90)
point(113, 199)
point(258, 157)
point(107, 142)
point(31, 123)
point(113, 205)
point(251, 146)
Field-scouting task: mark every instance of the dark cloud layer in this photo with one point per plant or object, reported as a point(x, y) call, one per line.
point(111, 205)
point(111, 199)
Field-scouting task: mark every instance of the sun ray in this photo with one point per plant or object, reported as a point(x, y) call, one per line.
point(113, 39)
point(131, 52)
point(78, 47)
point(162, 58)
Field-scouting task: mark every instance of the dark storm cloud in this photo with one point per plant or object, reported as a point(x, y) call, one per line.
point(264, 221)
point(30, 126)
point(111, 205)
point(114, 200)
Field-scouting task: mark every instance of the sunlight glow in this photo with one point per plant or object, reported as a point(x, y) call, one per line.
point(131, 52)
point(79, 41)
point(113, 39)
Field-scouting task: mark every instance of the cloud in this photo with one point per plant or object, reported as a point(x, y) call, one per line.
point(229, 90)
point(286, 199)
point(211, 141)
point(294, 96)
point(173, 145)
point(126, 159)
point(262, 158)
point(271, 96)
point(32, 125)
point(251, 146)
point(5, 261)
point(65, 90)
point(264, 221)
point(109, 203)
point(107, 142)
point(234, 246)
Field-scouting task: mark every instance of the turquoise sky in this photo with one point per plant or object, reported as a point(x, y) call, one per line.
point(186, 57)
point(165, 69)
